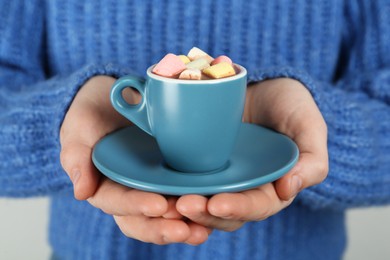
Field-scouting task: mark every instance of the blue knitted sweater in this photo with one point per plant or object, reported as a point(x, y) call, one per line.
point(338, 49)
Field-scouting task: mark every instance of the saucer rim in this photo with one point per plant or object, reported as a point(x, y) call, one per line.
point(204, 190)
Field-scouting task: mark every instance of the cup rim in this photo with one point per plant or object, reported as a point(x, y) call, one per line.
point(241, 74)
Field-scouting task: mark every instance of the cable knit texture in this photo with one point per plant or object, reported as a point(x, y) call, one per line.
point(338, 49)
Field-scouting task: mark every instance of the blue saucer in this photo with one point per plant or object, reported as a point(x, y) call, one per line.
point(132, 158)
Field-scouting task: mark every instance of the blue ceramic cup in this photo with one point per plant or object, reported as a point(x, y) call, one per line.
point(195, 122)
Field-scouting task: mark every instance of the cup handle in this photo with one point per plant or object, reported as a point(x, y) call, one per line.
point(138, 114)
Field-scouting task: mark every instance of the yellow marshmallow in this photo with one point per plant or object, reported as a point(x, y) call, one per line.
point(220, 70)
point(184, 58)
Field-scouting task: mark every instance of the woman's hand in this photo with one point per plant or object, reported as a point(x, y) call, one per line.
point(286, 106)
point(141, 215)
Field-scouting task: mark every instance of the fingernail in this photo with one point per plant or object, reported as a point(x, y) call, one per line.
point(75, 177)
point(296, 184)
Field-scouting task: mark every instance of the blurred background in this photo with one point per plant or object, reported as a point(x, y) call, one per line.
point(24, 223)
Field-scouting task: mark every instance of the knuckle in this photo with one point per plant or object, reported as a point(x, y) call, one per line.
point(159, 239)
point(181, 234)
point(167, 235)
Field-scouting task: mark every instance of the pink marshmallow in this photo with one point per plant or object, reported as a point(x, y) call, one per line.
point(170, 66)
point(222, 58)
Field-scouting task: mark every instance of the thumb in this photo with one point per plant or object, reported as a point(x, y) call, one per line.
point(76, 161)
point(89, 118)
point(309, 170)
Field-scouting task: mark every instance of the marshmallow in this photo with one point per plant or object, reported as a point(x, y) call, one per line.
point(220, 70)
point(170, 66)
point(220, 59)
point(200, 63)
point(184, 58)
point(195, 66)
point(196, 53)
point(191, 74)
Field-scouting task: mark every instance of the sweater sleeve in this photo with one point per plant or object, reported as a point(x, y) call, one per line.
point(356, 108)
point(32, 107)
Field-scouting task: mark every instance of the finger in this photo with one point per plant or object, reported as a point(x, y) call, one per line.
point(89, 118)
point(154, 230)
point(116, 199)
point(199, 234)
point(194, 207)
point(290, 184)
point(172, 212)
point(78, 136)
point(310, 170)
point(76, 160)
point(252, 205)
point(312, 166)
